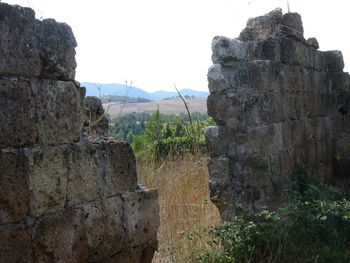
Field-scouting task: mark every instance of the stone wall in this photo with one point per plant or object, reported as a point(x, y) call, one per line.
point(68, 192)
point(279, 104)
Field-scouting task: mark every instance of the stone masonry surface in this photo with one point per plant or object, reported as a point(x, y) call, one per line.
point(279, 104)
point(68, 192)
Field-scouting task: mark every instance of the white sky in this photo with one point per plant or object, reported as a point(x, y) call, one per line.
point(156, 43)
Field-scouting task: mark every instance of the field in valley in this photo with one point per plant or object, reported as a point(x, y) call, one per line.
point(171, 106)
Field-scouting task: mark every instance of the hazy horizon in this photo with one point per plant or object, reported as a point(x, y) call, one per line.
point(157, 43)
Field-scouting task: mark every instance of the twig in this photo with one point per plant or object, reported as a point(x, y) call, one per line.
point(193, 137)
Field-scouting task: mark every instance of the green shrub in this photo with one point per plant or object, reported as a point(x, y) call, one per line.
point(169, 135)
point(314, 227)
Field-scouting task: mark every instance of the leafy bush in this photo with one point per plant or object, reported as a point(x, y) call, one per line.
point(314, 227)
point(171, 135)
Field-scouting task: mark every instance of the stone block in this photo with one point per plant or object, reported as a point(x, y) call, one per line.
point(60, 111)
point(270, 107)
point(39, 112)
point(217, 81)
point(18, 113)
point(217, 107)
point(292, 25)
point(57, 49)
point(216, 140)
point(96, 122)
point(264, 75)
point(263, 27)
point(18, 42)
point(264, 140)
point(61, 238)
point(219, 170)
point(318, 60)
point(226, 49)
point(294, 52)
point(312, 42)
point(87, 163)
point(340, 82)
point(141, 217)
point(99, 170)
point(47, 175)
point(14, 182)
point(120, 170)
point(33, 181)
point(33, 48)
point(269, 49)
point(334, 60)
point(16, 245)
point(103, 226)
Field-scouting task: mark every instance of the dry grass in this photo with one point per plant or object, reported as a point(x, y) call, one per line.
point(186, 212)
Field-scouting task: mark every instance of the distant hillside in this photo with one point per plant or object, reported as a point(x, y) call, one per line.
point(171, 106)
point(97, 89)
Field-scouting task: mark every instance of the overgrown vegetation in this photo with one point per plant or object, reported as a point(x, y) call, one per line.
point(171, 157)
point(160, 135)
point(313, 227)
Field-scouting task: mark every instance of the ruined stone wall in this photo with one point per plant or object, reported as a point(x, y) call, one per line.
point(68, 192)
point(279, 103)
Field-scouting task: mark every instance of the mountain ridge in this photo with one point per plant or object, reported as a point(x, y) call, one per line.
point(100, 90)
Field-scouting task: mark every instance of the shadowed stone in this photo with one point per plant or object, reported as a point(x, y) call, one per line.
point(279, 104)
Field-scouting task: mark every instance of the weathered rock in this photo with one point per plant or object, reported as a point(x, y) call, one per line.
point(140, 217)
point(64, 197)
point(43, 49)
point(262, 27)
point(47, 176)
point(292, 25)
point(39, 111)
point(61, 238)
point(19, 44)
point(16, 245)
point(103, 224)
point(57, 50)
point(59, 110)
point(95, 117)
point(279, 104)
point(14, 190)
point(335, 60)
point(216, 79)
point(226, 49)
point(215, 138)
point(312, 41)
point(120, 170)
point(85, 182)
point(94, 109)
point(18, 113)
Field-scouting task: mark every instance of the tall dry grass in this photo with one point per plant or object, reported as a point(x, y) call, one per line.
point(186, 213)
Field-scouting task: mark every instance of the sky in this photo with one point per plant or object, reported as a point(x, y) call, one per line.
point(159, 43)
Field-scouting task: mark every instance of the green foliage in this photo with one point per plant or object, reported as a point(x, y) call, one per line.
point(171, 135)
point(127, 126)
point(314, 227)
